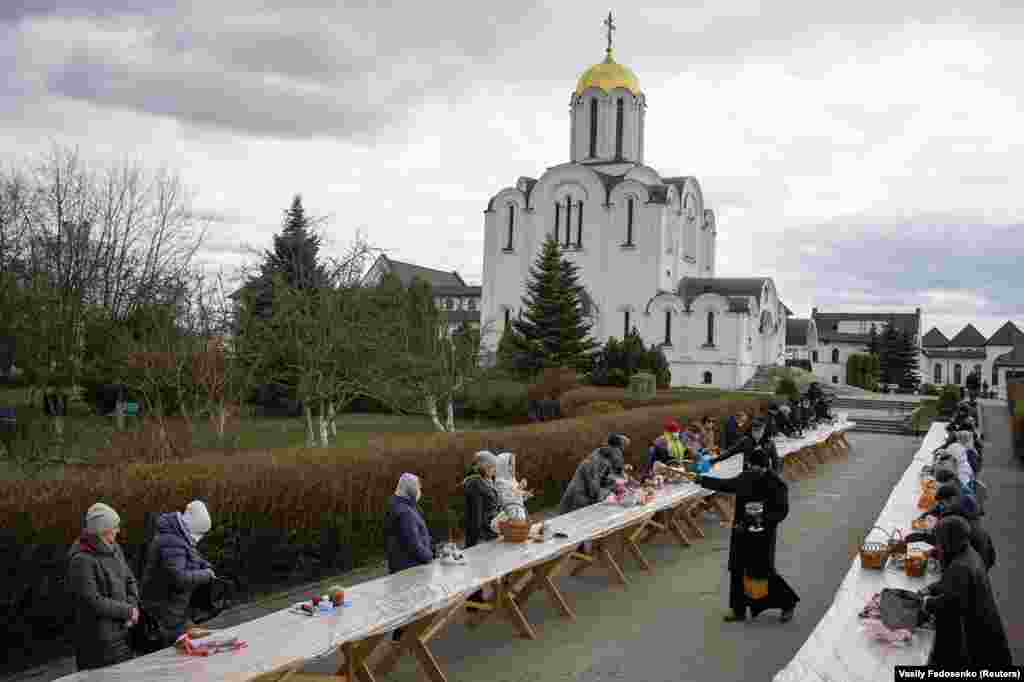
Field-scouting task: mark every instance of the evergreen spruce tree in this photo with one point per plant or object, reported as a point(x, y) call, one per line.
point(293, 262)
point(552, 330)
point(889, 356)
point(874, 344)
point(910, 375)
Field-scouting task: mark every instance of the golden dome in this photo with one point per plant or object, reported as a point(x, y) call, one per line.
point(608, 75)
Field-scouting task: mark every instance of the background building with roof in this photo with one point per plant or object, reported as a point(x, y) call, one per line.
point(840, 335)
point(949, 361)
point(645, 245)
point(458, 302)
point(801, 338)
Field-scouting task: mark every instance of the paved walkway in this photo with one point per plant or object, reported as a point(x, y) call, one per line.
point(1003, 473)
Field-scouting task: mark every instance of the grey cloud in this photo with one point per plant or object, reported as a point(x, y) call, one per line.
point(896, 263)
point(347, 72)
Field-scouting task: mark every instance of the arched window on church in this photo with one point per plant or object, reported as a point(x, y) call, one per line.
point(630, 217)
point(707, 377)
point(958, 374)
point(995, 376)
point(814, 356)
point(625, 326)
point(511, 225)
point(593, 127)
point(835, 356)
point(508, 317)
point(579, 224)
point(558, 218)
point(568, 222)
point(711, 329)
point(668, 327)
point(938, 373)
point(618, 127)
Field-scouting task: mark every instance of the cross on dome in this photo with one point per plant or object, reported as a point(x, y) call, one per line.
point(609, 24)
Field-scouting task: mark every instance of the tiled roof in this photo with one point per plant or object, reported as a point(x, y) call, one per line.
point(406, 272)
point(467, 290)
point(968, 336)
point(827, 322)
point(1015, 358)
point(1007, 335)
point(796, 331)
point(730, 287)
point(934, 339)
point(940, 353)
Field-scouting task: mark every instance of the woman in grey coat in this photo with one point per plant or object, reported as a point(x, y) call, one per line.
point(594, 477)
point(104, 594)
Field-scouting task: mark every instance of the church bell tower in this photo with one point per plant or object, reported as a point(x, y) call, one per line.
point(607, 112)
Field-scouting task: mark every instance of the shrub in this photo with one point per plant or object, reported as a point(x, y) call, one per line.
point(599, 407)
point(497, 398)
point(929, 389)
point(948, 400)
point(618, 360)
point(787, 388)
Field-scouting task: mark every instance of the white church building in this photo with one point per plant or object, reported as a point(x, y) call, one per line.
point(645, 245)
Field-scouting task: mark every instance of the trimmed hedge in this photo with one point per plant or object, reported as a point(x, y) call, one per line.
point(289, 516)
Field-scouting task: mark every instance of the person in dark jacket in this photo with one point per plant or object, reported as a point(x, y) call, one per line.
point(732, 431)
point(594, 479)
point(104, 594)
point(949, 502)
point(175, 568)
point(756, 439)
point(753, 541)
point(481, 499)
point(408, 540)
point(969, 631)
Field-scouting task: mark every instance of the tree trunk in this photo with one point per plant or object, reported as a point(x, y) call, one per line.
point(310, 438)
point(119, 410)
point(450, 423)
point(324, 438)
point(222, 419)
point(431, 404)
point(332, 414)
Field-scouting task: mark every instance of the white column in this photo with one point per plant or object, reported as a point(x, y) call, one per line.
point(572, 132)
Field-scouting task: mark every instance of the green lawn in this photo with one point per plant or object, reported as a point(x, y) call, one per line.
point(86, 434)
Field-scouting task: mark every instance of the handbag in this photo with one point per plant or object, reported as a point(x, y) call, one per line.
point(147, 636)
point(901, 609)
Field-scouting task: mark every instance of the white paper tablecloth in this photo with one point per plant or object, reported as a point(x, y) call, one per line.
point(381, 605)
point(838, 649)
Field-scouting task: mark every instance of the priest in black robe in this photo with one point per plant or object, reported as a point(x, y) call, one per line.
point(762, 503)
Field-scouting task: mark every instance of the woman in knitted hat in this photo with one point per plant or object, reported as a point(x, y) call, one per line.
point(481, 498)
point(175, 568)
point(104, 594)
point(406, 534)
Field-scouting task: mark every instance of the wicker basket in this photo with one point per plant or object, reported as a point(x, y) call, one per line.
point(515, 531)
point(915, 565)
point(897, 545)
point(873, 555)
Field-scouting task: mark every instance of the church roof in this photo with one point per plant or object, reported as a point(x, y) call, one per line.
point(968, 336)
point(730, 287)
point(934, 339)
point(1007, 335)
point(940, 353)
point(828, 324)
point(1015, 358)
point(796, 331)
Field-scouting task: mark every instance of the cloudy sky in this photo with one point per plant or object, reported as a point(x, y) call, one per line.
point(866, 155)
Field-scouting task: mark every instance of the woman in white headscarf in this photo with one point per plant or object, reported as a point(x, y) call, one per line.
point(511, 495)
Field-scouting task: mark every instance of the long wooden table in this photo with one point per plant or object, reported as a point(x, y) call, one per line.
point(837, 649)
point(425, 599)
